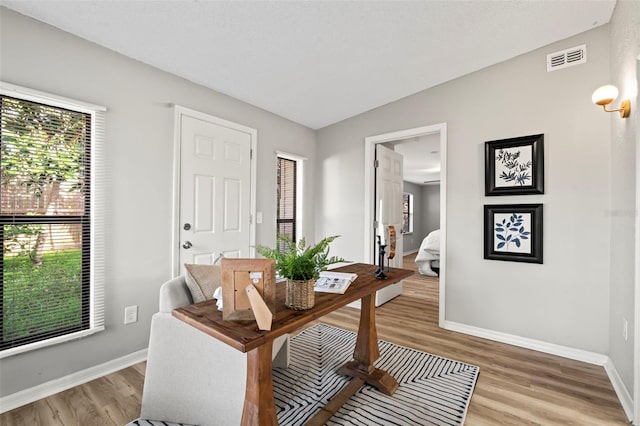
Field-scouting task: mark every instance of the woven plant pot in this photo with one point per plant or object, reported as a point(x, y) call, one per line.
point(300, 295)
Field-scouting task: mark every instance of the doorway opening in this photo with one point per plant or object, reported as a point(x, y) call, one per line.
point(370, 196)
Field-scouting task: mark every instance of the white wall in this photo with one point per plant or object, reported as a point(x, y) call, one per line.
point(139, 149)
point(625, 48)
point(564, 301)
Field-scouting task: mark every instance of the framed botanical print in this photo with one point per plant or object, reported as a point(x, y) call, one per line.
point(513, 232)
point(514, 166)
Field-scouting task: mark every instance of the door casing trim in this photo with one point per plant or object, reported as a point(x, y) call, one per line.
point(369, 194)
point(180, 111)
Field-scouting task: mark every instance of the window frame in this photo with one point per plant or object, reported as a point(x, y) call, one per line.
point(299, 196)
point(288, 220)
point(95, 321)
point(409, 213)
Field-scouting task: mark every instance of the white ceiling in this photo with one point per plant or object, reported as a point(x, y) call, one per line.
point(421, 158)
point(320, 62)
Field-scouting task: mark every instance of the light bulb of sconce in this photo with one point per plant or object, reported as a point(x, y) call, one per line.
point(604, 95)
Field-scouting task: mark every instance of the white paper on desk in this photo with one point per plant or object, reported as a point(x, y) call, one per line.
point(218, 296)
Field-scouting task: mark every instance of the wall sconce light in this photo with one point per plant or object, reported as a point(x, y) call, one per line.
point(604, 95)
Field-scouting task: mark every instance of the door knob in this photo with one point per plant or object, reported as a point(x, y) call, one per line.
point(187, 245)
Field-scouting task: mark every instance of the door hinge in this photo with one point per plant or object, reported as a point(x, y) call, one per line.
point(251, 154)
point(376, 164)
point(250, 219)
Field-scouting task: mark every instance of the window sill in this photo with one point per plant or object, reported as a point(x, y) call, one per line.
point(49, 342)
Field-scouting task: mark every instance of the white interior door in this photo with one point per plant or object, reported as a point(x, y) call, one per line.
point(215, 191)
point(389, 190)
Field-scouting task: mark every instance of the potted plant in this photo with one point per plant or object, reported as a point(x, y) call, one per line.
point(301, 266)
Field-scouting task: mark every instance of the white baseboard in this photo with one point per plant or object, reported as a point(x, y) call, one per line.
point(620, 388)
point(523, 342)
point(409, 252)
point(52, 387)
point(550, 348)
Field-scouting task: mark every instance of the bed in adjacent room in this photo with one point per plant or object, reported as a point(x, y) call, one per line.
point(428, 256)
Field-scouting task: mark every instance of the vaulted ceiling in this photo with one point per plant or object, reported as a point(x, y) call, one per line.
point(320, 62)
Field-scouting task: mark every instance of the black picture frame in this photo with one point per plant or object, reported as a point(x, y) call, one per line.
point(513, 232)
point(514, 166)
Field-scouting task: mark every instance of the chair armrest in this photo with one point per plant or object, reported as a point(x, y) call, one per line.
point(174, 294)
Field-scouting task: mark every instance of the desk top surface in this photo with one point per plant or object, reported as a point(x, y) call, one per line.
point(245, 335)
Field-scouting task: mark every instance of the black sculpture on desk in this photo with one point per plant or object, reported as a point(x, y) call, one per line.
point(380, 271)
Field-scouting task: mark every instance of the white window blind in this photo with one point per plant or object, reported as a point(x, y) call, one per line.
point(51, 219)
point(286, 199)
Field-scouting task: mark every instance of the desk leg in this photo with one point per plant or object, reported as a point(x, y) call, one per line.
point(259, 405)
point(367, 352)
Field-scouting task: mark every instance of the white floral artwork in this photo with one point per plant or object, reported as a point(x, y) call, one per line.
point(513, 166)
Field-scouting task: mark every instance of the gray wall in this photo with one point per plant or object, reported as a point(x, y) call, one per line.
point(564, 301)
point(430, 208)
point(426, 212)
point(625, 48)
point(139, 151)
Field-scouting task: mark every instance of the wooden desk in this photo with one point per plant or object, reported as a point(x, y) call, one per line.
point(259, 407)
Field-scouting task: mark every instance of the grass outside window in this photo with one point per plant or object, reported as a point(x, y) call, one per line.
point(41, 300)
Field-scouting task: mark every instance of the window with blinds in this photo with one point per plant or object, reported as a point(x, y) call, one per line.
point(407, 213)
point(45, 223)
point(286, 203)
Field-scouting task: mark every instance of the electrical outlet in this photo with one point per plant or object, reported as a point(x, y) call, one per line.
point(130, 314)
point(625, 329)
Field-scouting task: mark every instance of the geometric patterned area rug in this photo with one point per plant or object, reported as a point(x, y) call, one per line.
point(433, 390)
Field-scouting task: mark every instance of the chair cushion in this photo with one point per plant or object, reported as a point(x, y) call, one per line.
point(202, 281)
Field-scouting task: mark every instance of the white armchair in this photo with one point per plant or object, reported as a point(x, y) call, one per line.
point(192, 377)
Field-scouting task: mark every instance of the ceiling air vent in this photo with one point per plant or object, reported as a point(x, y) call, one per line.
point(567, 58)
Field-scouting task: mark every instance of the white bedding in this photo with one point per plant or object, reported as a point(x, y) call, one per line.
point(429, 253)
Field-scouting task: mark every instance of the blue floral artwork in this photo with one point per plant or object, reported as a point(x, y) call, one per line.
point(512, 232)
point(513, 166)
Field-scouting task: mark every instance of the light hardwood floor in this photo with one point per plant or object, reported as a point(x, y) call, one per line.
point(516, 386)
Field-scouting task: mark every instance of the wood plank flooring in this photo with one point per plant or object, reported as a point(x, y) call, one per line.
point(516, 386)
